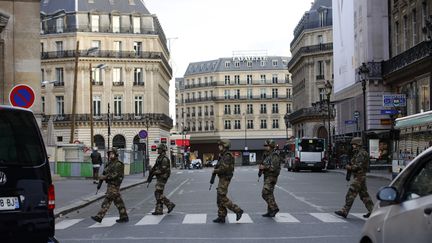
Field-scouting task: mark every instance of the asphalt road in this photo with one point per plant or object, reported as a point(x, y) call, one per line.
point(306, 201)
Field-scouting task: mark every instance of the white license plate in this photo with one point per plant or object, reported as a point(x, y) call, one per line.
point(9, 203)
point(310, 165)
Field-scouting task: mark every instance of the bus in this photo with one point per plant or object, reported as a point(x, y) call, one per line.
point(415, 136)
point(305, 154)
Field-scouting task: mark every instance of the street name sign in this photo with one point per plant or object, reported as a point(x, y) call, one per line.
point(394, 100)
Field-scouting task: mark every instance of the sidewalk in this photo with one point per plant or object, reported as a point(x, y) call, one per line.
point(383, 174)
point(75, 193)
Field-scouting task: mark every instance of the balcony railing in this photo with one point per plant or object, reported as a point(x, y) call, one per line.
point(421, 51)
point(320, 77)
point(107, 54)
point(222, 83)
point(58, 84)
point(223, 98)
point(118, 83)
point(310, 50)
point(138, 83)
point(97, 83)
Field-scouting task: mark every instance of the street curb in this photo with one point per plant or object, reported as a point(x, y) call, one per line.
point(368, 175)
point(89, 200)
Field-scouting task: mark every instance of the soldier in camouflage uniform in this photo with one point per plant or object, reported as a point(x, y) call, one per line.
point(358, 167)
point(113, 175)
point(162, 171)
point(225, 170)
point(270, 167)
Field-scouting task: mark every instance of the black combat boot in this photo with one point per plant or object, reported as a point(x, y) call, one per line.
point(367, 215)
point(96, 218)
point(273, 213)
point(220, 220)
point(239, 215)
point(157, 213)
point(171, 207)
point(341, 213)
point(123, 220)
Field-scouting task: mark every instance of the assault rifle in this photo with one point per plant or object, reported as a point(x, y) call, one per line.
point(260, 172)
point(213, 177)
point(348, 174)
point(150, 178)
point(99, 185)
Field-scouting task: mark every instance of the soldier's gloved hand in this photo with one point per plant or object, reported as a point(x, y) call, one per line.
point(102, 177)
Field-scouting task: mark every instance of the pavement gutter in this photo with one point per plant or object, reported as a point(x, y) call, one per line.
point(89, 200)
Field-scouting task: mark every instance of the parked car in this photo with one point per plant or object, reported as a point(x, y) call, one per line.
point(27, 197)
point(196, 164)
point(404, 210)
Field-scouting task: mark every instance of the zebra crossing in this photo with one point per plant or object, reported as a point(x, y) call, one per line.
point(193, 219)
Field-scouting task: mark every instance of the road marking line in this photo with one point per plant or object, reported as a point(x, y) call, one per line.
point(327, 218)
point(358, 215)
point(151, 219)
point(106, 222)
point(302, 199)
point(179, 172)
point(180, 192)
point(285, 218)
point(245, 219)
point(195, 219)
point(67, 223)
point(178, 187)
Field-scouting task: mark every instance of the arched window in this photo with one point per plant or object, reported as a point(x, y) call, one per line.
point(99, 141)
point(119, 141)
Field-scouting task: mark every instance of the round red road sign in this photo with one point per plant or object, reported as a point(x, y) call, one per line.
point(22, 96)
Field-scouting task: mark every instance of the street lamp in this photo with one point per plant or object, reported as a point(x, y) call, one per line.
point(364, 72)
point(286, 119)
point(147, 122)
point(245, 137)
point(100, 66)
point(328, 89)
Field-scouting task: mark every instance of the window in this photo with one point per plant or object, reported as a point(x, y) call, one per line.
point(263, 124)
point(96, 75)
point(397, 30)
point(288, 110)
point(117, 75)
point(249, 79)
point(236, 79)
point(42, 76)
point(59, 77)
point(405, 32)
point(250, 124)
point(288, 93)
point(249, 109)
point(421, 183)
point(206, 110)
point(116, 24)
point(237, 124)
point(227, 124)
point(237, 64)
point(138, 76)
point(275, 93)
point(96, 43)
point(320, 70)
point(137, 48)
point(424, 17)
point(59, 46)
point(227, 64)
point(227, 110)
point(97, 105)
point(274, 78)
point(322, 94)
point(275, 123)
point(263, 78)
point(199, 111)
point(263, 63)
point(206, 94)
point(95, 23)
point(249, 93)
point(275, 63)
point(43, 104)
point(117, 45)
point(263, 109)
point(249, 64)
point(60, 105)
point(275, 108)
point(227, 94)
point(59, 25)
point(227, 79)
point(206, 128)
point(320, 39)
point(211, 110)
point(212, 125)
point(136, 25)
point(138, 105)
point(321, 18)
point(118, 99)
point(237, 94)
point(414, 27)
point(263, 93)
point(237, 109)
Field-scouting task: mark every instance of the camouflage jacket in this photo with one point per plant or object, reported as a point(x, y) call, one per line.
point(271, 163)
point(161, 168)
point(114, 172)
point(360, 162)
point(225, 165)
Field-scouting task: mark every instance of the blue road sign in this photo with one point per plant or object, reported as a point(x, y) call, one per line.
point(350, 122)
point(389, 112)
point(142, 134)
point(394, 100)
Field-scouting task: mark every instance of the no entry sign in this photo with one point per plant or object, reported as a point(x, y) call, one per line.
point(22, 96)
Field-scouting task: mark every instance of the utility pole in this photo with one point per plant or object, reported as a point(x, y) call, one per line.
point(72, 133)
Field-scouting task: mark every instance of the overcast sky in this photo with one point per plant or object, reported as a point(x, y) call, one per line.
point(204, 30)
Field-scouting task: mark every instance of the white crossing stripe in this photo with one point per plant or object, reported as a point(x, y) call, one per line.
point(67, 223)
point(106, 222)
point(285, 218)
point(245, 219)
point(358, 215)
point(327, 218)
point(179, 172)
point(151, 219)
point(195, 219)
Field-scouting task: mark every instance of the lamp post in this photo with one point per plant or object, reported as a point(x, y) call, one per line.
point(109, 126)
point(328, 88)
point(100, 66)
point(286, 119)
point(245, 137)
point(147, 121)
point(364, 72)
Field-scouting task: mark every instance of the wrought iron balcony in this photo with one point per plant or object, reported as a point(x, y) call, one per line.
point(223, 98)
point(118, 83)
point(97, 83)
point(138, 83)
point(327, 47)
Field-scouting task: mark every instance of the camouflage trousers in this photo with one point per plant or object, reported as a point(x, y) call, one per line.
point(358, 186)
point(160, 197)
point(223, 202)
point(112, 195)
point(267, 192)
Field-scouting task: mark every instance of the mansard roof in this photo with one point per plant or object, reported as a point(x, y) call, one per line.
point(108, 6)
